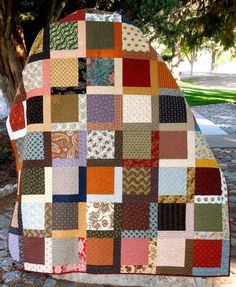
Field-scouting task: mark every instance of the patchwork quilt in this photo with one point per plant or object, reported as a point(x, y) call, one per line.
point(114, 173)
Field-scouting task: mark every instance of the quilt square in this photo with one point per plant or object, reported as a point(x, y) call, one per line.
point(208, 217)
point(176, 218)
point(140, 184)
point(33, 180)
point(172, 109)
point(99, 35)
point(101, 145)
point(173, 145)
point(100, 216)
point(170, 252)
point(135, 216)
point(134, 251)
point(64, 72)
point(65, 145)
point(65, 216)
point(34, 250)
point(100, 108)
point(136, 145)
point(103, 254)
point(64, 36)
point(33, 76)
point(33, 215)
point(172, 181)
point(65, 251)
point(64, 108)
point(136, 73)
point(208, 181)
point(34, 146)
point(137, 109)
point(207, 253)
point(65, 180)
point(104, 76)
point(105, 180)
point(100, 71)
point(34, 110)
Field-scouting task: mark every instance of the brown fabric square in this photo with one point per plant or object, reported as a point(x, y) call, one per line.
point(100, 251)
point(64, 108)
point(99, 35)
point(34, 250)
point(207, 181)
point(65, 216)
point(135, 216)
point(173, 145)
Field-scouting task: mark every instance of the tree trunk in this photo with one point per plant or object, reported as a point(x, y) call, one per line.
point(213, 60)
point(176, 57)
point(12, 50)
point(193, 60)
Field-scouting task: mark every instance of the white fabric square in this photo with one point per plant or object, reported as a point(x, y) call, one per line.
point(33, 215)
point(137, 109)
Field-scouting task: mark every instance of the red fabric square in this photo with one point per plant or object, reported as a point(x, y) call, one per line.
point(34, 250)
point(207, 253)
point(136, 73)
point(17, 120)
point(207, 181)
point(78, 15)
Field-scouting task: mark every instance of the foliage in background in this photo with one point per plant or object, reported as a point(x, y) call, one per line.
point(179, 24)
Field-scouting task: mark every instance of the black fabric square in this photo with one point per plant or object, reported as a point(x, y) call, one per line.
point(34, 110)
point(172, 109)
point(171, 216)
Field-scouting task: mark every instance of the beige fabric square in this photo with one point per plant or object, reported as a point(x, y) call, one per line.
point(65, 180)
point(170, 252)
point(137, 109)
point(64, 72)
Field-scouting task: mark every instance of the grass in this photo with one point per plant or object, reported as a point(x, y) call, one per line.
point(197, 95)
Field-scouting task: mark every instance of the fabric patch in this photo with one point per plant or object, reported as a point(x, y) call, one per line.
point(34, 146)
point(172, 181)
point(64, 216)
point(134, 251)
point(100, 216)
point(99, 35)
point(100, 71)
point(65, 251)
point(137, 109)
point(208, 217)
point(100, 251)
point(64, 108)
point(32, 76)
point(34, 110)
point(176, 216)
point(34, 250)
point(170, 252)
point(101, 144)
point(208, 181)
point(33, 180)
point(65, 145)
point(100, 108)
point(135, 216)
point(104, 183)
point(33, 215)
point(64, 36)
point(172, 109)
point(207, 253)
point(136, 73)
point(65, 180)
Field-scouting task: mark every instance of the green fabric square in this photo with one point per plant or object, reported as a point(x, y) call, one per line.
point(64, 36)
point(136, 145)
point(99, 35)
point(208, 217)
point(33, 180)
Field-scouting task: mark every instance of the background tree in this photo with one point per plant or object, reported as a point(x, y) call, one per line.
point(176, 23)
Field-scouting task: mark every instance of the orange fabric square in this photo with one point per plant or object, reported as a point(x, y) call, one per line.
point(100, 251)
point(104, 183)
point(165, 78)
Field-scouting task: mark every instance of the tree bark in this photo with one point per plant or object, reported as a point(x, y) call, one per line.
point(12, 50)
point(176, 58)
point(213, 60)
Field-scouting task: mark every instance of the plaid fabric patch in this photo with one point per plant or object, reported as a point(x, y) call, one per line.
point(114, 174)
